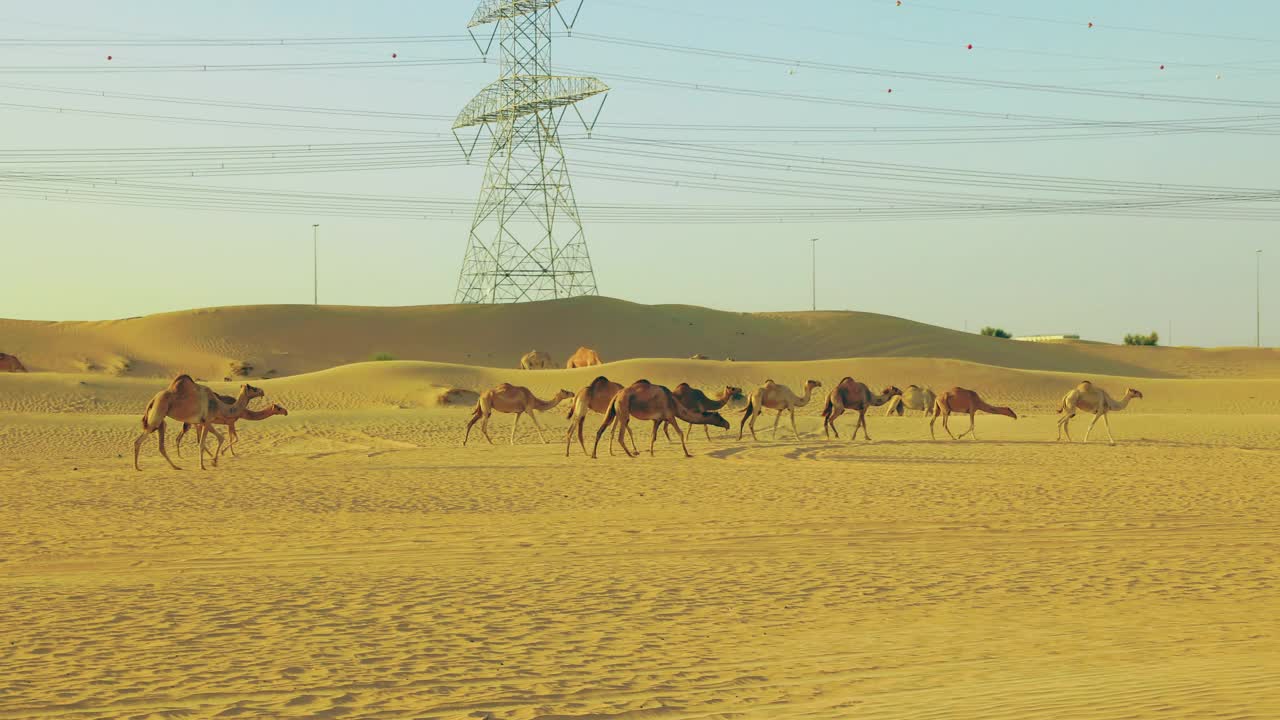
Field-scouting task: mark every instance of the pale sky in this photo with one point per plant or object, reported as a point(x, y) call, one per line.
point(1097, 275)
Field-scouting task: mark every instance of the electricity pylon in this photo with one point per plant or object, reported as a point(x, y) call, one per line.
point(526, 240)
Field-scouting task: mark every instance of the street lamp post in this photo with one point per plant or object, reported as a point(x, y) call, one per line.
point(813, 244)
point(315, 263)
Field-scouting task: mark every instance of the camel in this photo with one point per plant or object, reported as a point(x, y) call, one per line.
point(592, 398)
point(233, 436)
point(584, 357)
point(188, 402)
point(850, 394)
point(643, 400)
point(11, 363)
point(775, 397)
point(1095, 400)
point(508, 398)
point(960, 400)
point(913, 398)
point(535, 360)
point(696, 400)
point(698, 356)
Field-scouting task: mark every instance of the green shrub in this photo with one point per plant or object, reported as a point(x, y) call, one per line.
point(1135, 339)
point(383, 356)
point(995, 332)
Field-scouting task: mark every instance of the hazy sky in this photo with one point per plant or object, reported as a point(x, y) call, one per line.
point(1100, 276)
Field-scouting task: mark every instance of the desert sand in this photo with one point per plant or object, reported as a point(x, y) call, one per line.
point(355, 561)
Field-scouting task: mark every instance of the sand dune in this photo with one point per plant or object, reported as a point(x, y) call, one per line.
point(355, 561)
point(293, 339)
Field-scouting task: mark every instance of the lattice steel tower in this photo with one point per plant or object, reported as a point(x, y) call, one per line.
point(526, 240)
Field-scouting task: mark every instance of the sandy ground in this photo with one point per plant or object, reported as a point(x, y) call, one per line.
point(355, 561)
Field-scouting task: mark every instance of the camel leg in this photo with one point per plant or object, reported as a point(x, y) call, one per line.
point(568, 437)
point(624, 426)
point(534, 417)
point(1061, 422)
point(202, 434)
point(177, 440)
point(484, 425)
point(676, 425)
point(233, 438)
point(862, 423)
point(749, 421)
point(705, 429)
point(665, 430)
point(1106, 420)
point(608, 420)
point(970, 431)
point(1090, 429)
point(932, 420)
point(474, 417)
point(776, 419)
point(137, 446)
point(515, 425)
point(830, 421)
point(946, 426)
point(165, 453)
point(217, 452)
point(794, 431)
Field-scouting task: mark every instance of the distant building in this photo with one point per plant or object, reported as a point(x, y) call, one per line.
point(1047, 338)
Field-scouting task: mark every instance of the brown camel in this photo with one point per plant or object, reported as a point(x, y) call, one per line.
point(1095, 400)
point(188, 402)
point(535, 360)
point(850, 394)
point(233, 436)
point(643, 400)
point(11, 363)
point(592, 398)
point(508, 398)
point(584, 357)
point(960, 400)
point(698, 401)
point(775, 397)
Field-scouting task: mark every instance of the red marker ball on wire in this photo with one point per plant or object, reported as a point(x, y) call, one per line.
point(108, 57)
point(1090, 23)
point(969, 47)
point(393, 56)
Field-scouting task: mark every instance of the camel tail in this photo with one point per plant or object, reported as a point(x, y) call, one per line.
point(826, 409)
point(749, 409)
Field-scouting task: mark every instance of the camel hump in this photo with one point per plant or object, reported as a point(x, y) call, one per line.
point(1084, 386)
point(683, 387)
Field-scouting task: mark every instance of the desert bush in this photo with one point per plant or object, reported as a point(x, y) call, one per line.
point(995, 332)
point(1136, 339)
point(382, 357)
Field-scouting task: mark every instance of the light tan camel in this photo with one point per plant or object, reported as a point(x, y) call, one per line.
point(233, 436)
point(913, 398)
point(11, 363)
point(696, 400)
point(1092, 399)
point(584, 357)
point(508, 398)
point(850, 394)
point(592, 398)
point(535, 360)
point(698, 356)
point(772, 396)
point(188, 402)
point(645, 401)
point(960, 400)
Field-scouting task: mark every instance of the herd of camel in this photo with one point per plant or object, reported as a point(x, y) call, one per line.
point(195, 405)
point(643, 400)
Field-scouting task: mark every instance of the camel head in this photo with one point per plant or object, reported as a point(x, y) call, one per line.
point(562, 395)
point(251, 392)
point(733, 392)
point(278, 409)
point(812, 384)
point(716, 419)
point(1133, 393)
